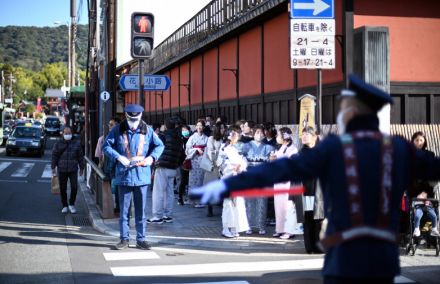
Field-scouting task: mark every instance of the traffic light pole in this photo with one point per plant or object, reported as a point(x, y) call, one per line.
point(141, 98)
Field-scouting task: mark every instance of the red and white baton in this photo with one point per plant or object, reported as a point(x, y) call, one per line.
point(267, 191)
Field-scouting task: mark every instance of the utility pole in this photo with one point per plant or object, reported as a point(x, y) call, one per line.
point(72, 42)
point(2, 88)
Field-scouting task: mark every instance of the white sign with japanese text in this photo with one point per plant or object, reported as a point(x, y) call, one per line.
point(312, 43)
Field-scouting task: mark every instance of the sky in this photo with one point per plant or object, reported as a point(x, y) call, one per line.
point(46, 12)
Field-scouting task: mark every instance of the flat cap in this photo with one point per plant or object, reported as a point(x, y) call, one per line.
point(372, 96)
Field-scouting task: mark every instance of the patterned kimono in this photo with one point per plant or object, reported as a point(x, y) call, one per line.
point(285, 217)
point(196, 173)
point(256, 208)
point(234, 209)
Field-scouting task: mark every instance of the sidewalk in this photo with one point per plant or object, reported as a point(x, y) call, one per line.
point(191, 227)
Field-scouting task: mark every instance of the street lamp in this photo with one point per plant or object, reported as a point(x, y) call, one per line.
point(69, 65)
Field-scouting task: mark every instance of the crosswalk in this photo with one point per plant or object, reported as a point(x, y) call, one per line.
point(149, 266)
point(20, 171)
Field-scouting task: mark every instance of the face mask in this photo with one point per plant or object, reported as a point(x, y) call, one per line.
point(185, 133)
point(258, 138)
point(133, 124)
point(67, 136)
point(340, 120)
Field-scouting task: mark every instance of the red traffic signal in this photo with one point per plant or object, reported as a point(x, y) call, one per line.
point(142, 34)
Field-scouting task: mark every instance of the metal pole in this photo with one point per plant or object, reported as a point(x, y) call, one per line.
point(141, 99)
point(69, 65)
point(319, 101)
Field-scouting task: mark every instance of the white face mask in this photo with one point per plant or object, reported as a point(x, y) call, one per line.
point(258, 138)
point(133, 124)
point(67, 136)
point(340, 120)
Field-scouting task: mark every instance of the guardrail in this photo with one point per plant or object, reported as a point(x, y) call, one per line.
point(99, 184)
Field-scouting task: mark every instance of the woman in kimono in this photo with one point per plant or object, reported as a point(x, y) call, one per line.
point(256, 152)
point(231, 162)
point(194, 150)
point(285, 219)
point(212, 150)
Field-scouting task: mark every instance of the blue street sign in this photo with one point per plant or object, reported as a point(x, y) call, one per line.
point(151, 82)
point(312, 9)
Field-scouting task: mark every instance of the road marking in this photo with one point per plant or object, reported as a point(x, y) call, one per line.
point(24, 160)
point(4, 165)
point(403, 279)
point(24, 170)
point(209, 268)
point(47, 173)
point(13, 180)
point(210, 252)
point(130, 255)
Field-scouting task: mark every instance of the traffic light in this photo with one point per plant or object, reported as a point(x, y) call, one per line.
point(142, 34)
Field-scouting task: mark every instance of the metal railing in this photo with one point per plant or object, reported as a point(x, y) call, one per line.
point(215, 16)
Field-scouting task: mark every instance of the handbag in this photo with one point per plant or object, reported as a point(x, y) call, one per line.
point(55, 185)
point(187, 165)
point(206, 164)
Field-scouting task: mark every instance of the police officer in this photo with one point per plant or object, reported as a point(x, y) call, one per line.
point(135, 146)
point(363, 174)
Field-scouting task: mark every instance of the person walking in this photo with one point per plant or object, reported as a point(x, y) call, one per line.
point(194, 151)
point(165, 173)
point(67, 157)
point(363, 174)
point(135, 146)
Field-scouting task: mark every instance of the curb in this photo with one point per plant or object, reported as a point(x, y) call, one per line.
point(235, 244)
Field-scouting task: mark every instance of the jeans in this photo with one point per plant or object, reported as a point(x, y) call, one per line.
point(163, 192)
point(140, 196)
point(73, 177)
point(419, 214)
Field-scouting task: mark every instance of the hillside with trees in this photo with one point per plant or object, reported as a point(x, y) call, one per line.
point(33, 47)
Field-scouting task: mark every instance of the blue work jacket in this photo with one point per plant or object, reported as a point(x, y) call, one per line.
point(114, 147)
point(363, 257)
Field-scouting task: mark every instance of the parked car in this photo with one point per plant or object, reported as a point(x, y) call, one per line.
point(26, 139)
point(53, 126)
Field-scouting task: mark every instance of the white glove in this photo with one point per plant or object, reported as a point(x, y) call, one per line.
point(209, 193)
point(148, 161)
point(124, 161)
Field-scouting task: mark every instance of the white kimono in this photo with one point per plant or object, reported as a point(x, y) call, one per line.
point(196, 173)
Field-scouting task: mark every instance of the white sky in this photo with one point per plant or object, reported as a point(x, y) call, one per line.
point(169, 15)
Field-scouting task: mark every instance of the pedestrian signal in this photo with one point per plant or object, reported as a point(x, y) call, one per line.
point(142, 35)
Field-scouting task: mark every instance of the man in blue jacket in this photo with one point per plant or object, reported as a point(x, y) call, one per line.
point(135, 146)
point(363, 174)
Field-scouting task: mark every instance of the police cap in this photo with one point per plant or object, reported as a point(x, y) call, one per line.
point(372, 96)
point(133, 109)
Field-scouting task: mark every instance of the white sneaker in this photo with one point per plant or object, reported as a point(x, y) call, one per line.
point(416, 232)
point(299, 229)
point(65, 210)
point(435, 233)
point(72, 209)
point(227, 234)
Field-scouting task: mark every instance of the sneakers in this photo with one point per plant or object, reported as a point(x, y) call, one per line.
point(416, 232)
point(199, 205)
point(65, 210)
point(262, 232)
point(72, 209)
point(435, 233)
point(227, 234)
point(167, 219)
point(123, 244)
point(277, 235)
point(143, 245)
point(155, 221)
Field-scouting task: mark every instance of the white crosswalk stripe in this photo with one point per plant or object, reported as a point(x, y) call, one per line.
point(47, 173)
point(4, 165)
point(109, 256)
point(24, 170)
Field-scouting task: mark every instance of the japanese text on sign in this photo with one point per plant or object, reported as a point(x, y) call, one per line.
point(312, 43)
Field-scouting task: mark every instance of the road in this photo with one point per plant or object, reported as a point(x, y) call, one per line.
point(38, 244)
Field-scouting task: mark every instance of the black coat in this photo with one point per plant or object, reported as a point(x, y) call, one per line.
point(67, 156)
point(172, 154)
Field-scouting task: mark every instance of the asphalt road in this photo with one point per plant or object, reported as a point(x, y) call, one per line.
point(38, 244)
